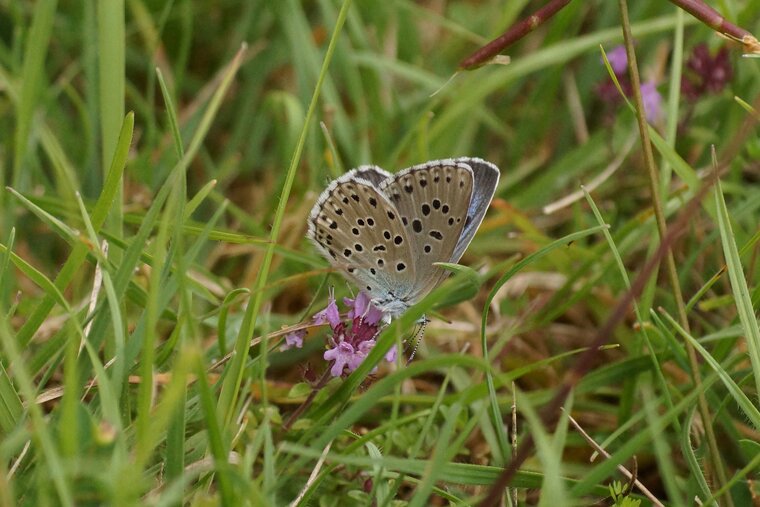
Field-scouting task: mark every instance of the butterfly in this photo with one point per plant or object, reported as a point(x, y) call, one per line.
point(385, 231)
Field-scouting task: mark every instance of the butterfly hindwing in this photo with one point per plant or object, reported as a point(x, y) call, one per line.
point(359, 230)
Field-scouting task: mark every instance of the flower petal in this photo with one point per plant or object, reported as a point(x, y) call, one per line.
point(358, 306)
point(652, 101)
point(342, 354)
point(390, 356)
point(330, 315)
point(294, 339)
point(618, 60)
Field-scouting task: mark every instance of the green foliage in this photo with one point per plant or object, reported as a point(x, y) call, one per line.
point(619, 494)
point(157, 166)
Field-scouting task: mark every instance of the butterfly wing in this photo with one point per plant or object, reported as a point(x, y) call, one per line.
point(371, 173)
point(486, 177)
point(356, 228)
point(433, 200)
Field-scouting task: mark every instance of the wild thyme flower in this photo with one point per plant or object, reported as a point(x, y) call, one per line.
point(351, 340)
point(618, 59)
point(294, 339)
point(705, 73)
point(362, 307)
point(607, 92)
point(652, 101)
point(331, 314)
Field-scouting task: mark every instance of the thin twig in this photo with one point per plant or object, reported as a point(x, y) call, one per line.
point(97, 283)
point(255, 341)
point(595, 182)
point(515, 33)
point(313, 475)
point(18, 461)
point(514, 436)
point(598, 448)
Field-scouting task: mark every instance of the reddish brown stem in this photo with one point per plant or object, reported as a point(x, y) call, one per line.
point(696, 8)
point(308, 401)
point(515, 33)
point(711, 18)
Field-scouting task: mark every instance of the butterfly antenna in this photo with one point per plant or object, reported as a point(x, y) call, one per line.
point(418, 335)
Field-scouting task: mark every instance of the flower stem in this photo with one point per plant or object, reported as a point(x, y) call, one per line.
point(322, 382)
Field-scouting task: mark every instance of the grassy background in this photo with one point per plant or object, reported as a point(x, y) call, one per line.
point(144, 124)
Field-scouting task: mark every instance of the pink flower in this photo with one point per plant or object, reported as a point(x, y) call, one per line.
point(330, 315)
point(607, 91)
point(705, 73)
point(362, 307)
point(652, 101)
point(390, 356)
point(294, 339)
point(344, 355)
point(618, 60)
point(351, 340)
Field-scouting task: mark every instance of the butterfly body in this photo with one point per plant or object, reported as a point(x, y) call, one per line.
point(386, 231)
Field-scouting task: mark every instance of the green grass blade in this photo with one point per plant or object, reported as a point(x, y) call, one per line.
point(231, 386)
point(100, 211)
point(33, 77)
point(437, 464)
point(111, 88)
point(749, 409)
point(739, 286)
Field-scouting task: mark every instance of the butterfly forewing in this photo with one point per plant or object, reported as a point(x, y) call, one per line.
point(433, 200)
point(358, 228)
point(485, 179)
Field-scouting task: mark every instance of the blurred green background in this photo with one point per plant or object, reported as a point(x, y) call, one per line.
point(551, 120)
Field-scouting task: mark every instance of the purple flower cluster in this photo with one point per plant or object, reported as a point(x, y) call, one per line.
point(351, 340)
point(705, 73)
point(649, 95)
